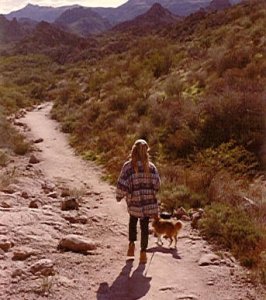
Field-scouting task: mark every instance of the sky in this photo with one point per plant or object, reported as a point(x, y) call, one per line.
point(7, 6)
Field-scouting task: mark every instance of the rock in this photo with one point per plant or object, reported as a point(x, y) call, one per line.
point(34, 204)
point(17, 273)
point(180, 212)
point(11, 189)
point(77, 243)
point(69, 204)
point(43, 267)
point(40, 140)
point(20, 124)
point(33, 160)
point(209, 259)
point(48, 187)
point(52, 195)
point(187, 297)
point(196, 216)
point(5, 204)
point(22, 253)
point(76, 219)
point(25, 195)
point(5, 244)
point(29, 166)
point(65, 193)
point(2, 254)
point(185, 218)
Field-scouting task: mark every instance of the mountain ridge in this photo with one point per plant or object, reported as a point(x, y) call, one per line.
point(82, 21)
point(154, 19)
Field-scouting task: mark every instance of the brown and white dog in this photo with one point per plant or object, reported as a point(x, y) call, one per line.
point(167, 229)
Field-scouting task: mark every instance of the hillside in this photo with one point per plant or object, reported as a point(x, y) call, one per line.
point(82, 21)
point(10, 30)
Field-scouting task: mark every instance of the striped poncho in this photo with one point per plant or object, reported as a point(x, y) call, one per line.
point(139, 189)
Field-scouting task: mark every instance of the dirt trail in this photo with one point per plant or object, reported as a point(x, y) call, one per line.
point(192, 271)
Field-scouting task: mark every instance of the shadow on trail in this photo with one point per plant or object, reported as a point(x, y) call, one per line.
point(126, 287)
point(172, 251)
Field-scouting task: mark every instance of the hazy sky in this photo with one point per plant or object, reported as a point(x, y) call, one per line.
point(7, 6)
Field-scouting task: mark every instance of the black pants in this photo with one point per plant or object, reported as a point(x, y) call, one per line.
point(144, 227)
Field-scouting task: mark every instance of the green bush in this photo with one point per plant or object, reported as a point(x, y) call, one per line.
point(231, 228)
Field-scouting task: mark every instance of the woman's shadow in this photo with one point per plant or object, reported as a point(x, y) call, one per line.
point(126, 287)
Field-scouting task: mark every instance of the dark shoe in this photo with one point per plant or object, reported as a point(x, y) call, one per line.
point(131, 249)
point(143, 257)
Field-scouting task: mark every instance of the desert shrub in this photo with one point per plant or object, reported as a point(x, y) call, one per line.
point(38, 92)
point(238, 116)
point(20, 146)
point(160, 63)
point(3, 158)
point(173, 196)
point(173, 86)
point(233, 58)
point(7, 177)
point(11, 139)
point(180, 143)
point(117, 103)
point(231, 228)
point(229, 156)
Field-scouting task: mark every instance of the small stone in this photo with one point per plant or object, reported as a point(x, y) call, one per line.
point(5, 244)
point(43, 267)
point(22, 253)
point(29, 166)
point(76, 219)
point(5, 204)
point(69, 204)
point(34, 204)
point(65, 193)
point(187, 297)
point(33, 159)
point(40, 140)
point(52, 195)
point(209, 259)
point(25, 195)
point(11, 189)
point(48, 187)
point(17, 273)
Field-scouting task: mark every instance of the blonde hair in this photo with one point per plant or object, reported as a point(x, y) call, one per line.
point(140, 152)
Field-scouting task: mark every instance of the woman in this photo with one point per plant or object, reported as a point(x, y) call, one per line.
point(138, 183)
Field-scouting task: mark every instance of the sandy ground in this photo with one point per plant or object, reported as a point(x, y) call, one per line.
point(103, 273)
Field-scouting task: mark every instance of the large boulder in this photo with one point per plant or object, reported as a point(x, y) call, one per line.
point(77, 243)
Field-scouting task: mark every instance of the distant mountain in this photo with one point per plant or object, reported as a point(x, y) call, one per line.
point(82, 21)
point(154, 19)
point(133, 8)
point(39, 13)
point(49, 35)
point(49, 40)
point(219, 5)
point(10, 30)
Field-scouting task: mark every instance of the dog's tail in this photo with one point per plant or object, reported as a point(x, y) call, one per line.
point(178, 225)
